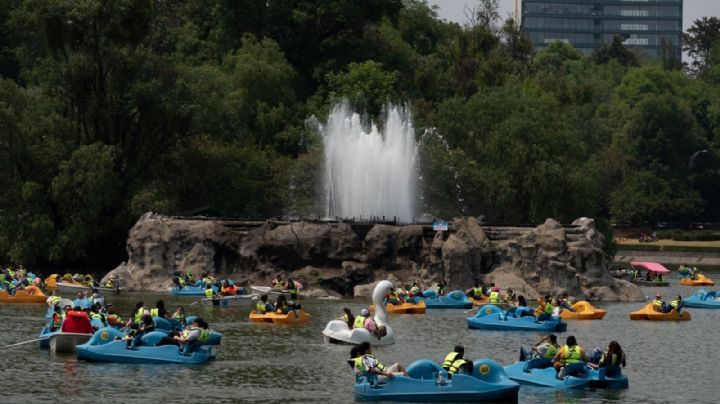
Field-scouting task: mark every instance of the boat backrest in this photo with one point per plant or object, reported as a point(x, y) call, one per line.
point(163, 324)
point(77, 321)
point(152, 338)
point(489, 371)
point(537, 363)
point(429, 293)
point(104, 336)
point(425, 369)
point(522, 311)
point(574, 368)
point(487, 310)
point(610, 371)
point(457, 295)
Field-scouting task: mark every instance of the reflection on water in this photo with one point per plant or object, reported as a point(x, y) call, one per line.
point(667, 362)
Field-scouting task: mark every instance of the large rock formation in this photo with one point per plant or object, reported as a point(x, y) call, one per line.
point(346, 259)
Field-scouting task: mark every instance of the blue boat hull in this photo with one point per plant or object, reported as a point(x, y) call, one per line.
point(488, 382)
point(453, 300)
point(191, 291)
point(594, 378)
point(703, 300)
point(491, 317)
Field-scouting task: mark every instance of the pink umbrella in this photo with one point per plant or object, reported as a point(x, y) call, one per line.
point(651, 266)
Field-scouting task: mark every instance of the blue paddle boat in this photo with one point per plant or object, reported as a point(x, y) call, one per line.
point(104, 347)
point(540, 372)
point(196, 290)
point(491, 317)
point(453, 300)
point(703, 300)
point(427, 381)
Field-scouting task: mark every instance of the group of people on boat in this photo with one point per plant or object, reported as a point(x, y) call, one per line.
point(188, 340)
point(289, 286)
point(281, 305)
point(12, 280)
point(662, 307)
point(93, 306)
point(688, 272)
point(559, 357)
point(363, 320)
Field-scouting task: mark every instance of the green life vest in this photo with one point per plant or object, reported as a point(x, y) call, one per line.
point(551, 351)
point(449, 359)
point(572, 354)
point(260, 307)
point(139, 314)
point(154, 312)
point(494, 296)
point(548, 308)
point(359, 322)
point(209, 293)
point(456, 366)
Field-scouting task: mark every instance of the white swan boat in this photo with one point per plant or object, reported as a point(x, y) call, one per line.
point(338, 330)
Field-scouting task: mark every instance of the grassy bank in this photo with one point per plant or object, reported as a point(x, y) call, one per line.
point(670, 245)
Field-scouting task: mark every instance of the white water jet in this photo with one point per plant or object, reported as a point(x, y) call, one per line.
point(369, 174)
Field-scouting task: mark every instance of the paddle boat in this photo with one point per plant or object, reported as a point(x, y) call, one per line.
point(76, 329)
point(453, 300)
point(29, 294)
point(704, 300)
point(229, 301)
point(105, 347)
point(540, 372)
point(272, 292)
point(648, 313)
point(279, 318)
point(427, 381)
point(338, 330)
point(491, 317)
point(51, 282)
point(195, 290)
point(72, 287)
point(701, 280)
point(658, 270)
point(404, 308)
point(582, 310)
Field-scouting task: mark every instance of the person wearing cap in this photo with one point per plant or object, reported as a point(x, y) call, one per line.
point(658, 304)
point(360, 319)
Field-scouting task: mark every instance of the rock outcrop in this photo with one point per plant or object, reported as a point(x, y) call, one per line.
point(347, 259)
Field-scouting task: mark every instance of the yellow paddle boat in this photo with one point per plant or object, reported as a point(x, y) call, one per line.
point(404, 308)
point(279, 318)
point(649, 313)
point(51, 282)
point(701, 280)
point(30, 294)
point(582, 310)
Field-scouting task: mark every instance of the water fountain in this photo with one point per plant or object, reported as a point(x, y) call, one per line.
point(369, 174)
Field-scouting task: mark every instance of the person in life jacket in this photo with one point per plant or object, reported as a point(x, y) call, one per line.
point(613, 357)
point(442, 288)
point(159, 310)
point(546, 309)
point(495, 295)
point(366, 363)
point(113, 318)
point(415, 290)
point(460, 365)
point(130, 335)
point(53, 299)
point(675, 304)
point(57, 318)
point(193, 336)
point(476, 292)
point(277, 283)
point(394, 297)
point(139, 312)
point(659, 305)
point(209, 292)
point(146, 326)
point(509, 296)
point(450, 358)
point(96, 315)
point(292, 288)
point(360, 319)
point(179, 315)
point(566, 302)
point(570, 353)
point(263, 306)
point(546, 348)
point(178, 280)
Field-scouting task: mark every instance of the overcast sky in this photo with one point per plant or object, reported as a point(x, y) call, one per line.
point(453, 10)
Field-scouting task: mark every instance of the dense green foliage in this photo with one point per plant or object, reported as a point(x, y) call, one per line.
point(109, 109)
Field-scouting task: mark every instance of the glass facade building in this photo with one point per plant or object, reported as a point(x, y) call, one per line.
point(650, 25)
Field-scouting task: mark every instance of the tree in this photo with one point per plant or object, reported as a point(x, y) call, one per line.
point(699, 40)
point(367, 86)
point(615, 51)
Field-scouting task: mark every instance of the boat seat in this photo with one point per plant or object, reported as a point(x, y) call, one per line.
point(537, 363)
point(610, 371)
point(425, 369)
point(153, 338)
point(575, 368)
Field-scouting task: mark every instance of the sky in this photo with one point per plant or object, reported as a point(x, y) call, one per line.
point(453, 10)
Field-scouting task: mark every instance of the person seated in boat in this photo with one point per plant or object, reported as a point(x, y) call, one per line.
point(570, 353)
point(394, 297)
point(96, 315)
point(494, 297)
point(281, 305)
point(489, 289)
point(520, 302)
point(415, 290)
point(178, 280)
point(189, 279)
point(179, 315)
point(88, 280)
point(456, 354)
point(97, 298)
point(367, 363)
point(263, 306)
point(675, 304)
point(546, 348)
point(659, 305)
point(130, 334)
point(292, 288)
point(110, 283)
point(509, 297)
point(209, 292)
point(612, 357)
point(112, 317)
point(147, 326)
point(683, 270)
point(546, 309)
point(461, 365)
point(348, 318)
point(57, 318)
point(139, 312)
point(54, 299)
point(694, 273)
point(442, 288)
point(476, 292)
point(359, 321)
point(228, 289)
point(159, 310)
point(565, 302)
point(277, 283)
point(193, 336)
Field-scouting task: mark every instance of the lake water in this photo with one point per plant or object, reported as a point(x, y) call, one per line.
point(667, 362)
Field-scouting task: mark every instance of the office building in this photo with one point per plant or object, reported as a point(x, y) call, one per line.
point(649, 25)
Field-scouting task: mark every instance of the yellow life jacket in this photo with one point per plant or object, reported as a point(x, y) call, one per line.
point(209, 293)
point(548, 309)
point(494, 296)
point(675, 304)
point(181, 280)
point(260, 307)
point(449, 359)
point(154, 312)
point(456, 366)
point(204, 333)
point(359, 322)
point(55, 300)
point(551, 351)
point(571, 354)
point(477, 291)
point(614, 360)
point(359, 365)
point(180, 317)
point(658, 304)
point(139, 314)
